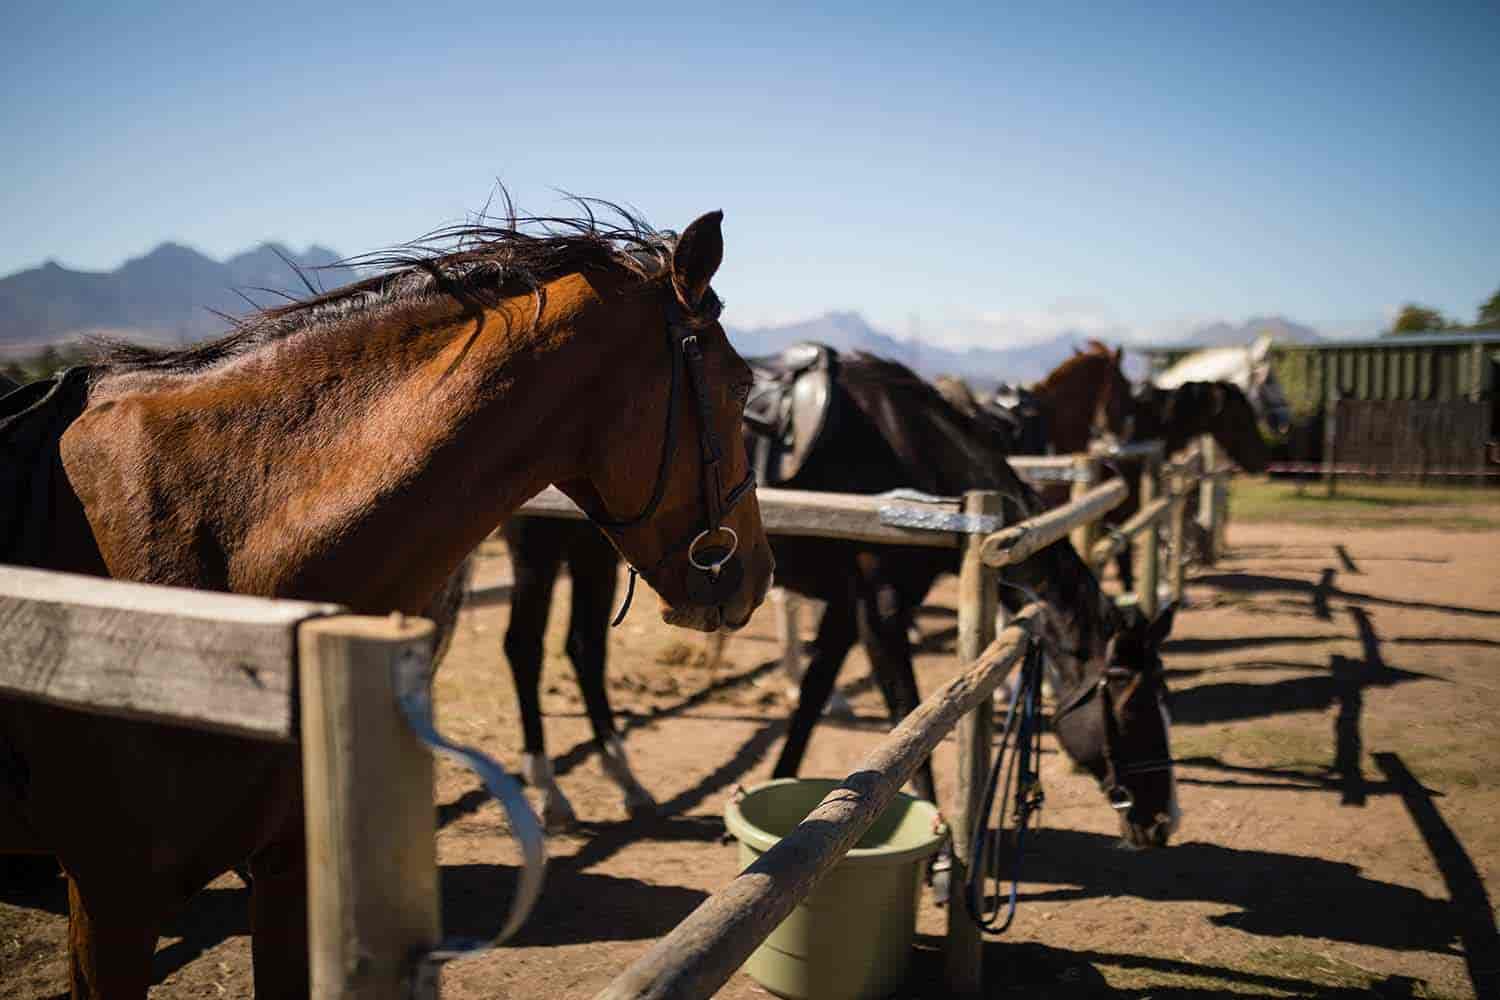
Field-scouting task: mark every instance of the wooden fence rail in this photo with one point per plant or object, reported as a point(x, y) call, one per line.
point(703, 951)
point(706, 949)
point(230, 664)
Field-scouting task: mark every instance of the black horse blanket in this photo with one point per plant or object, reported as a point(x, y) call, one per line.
point(32, 421)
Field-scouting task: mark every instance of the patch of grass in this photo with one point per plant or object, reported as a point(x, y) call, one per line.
point(1370, 504)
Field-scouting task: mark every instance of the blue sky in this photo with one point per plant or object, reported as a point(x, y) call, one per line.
point(975, 173)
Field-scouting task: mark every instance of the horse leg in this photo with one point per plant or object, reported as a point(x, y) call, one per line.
point(535, 553)
point(278, 918)
point(788, 607)
point(883, 616)
point(111, 938)
point(593, 565)
point(836, 635)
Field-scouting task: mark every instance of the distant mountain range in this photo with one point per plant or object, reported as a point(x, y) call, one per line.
point(165, 297)
point(169, 296)
point(1228, 334)
point(1022, 363)
point(849, 331)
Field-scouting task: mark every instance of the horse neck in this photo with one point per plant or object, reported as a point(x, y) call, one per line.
point(1069, 398)
point(1076, 623)
point(379, 456)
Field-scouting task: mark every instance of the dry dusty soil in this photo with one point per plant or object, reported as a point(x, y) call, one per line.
point(1308, 644)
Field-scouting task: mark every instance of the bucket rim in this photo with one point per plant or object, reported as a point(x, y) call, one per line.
point(761, 840)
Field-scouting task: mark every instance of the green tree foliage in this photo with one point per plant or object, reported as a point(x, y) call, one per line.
point(1418, 319)
point(1489, 312)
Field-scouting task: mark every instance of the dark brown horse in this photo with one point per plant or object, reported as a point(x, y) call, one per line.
point(893, 431)
point(1178, 417)
point(354, 448)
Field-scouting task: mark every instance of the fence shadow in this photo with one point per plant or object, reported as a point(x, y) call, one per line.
point(1258, 583)
point(1472, 913)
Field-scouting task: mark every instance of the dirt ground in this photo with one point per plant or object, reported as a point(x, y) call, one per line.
point(1308, 645)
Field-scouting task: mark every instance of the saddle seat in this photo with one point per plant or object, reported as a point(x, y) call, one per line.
point(790, 409)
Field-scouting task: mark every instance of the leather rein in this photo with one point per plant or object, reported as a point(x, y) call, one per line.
point(715, 571)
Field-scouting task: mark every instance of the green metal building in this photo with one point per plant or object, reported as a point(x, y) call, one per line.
point(1434, 367)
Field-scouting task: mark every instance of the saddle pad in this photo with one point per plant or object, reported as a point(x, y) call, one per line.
point(32, 421)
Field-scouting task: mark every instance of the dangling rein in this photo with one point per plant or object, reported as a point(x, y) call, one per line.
point(1022, 784)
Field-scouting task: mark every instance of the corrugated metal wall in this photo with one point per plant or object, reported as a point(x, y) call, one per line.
point(1416, 372)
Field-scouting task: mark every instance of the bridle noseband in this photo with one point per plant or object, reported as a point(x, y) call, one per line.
point(1116, 767)
point(715, 571)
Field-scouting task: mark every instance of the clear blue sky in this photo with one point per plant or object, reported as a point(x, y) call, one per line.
point(977, 173)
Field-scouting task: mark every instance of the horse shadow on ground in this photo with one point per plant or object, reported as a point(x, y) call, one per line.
point(1273, 894)
point(1032, 969)
point(577, 906)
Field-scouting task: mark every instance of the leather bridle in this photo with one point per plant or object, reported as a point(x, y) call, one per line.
point(715, 571)
point(1116, 767)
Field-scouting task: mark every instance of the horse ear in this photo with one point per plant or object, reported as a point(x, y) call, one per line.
point(1161, 627)
point(1119, 355)
point(696, 258)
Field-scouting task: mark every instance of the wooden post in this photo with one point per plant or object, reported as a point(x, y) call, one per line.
point(368, 788)
point(978, 599)
point(1085, 477)
point(1330, 438)
point(1180, 482)
point(788, 607)
point(1146, 587)
point(1208, 511)
point(1221, 512)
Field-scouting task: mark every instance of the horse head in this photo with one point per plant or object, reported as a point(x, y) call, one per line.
point(1115, 724)
point(697, 537)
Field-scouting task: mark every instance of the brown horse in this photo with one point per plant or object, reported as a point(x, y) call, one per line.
point(354, 448)
point(1084, 396)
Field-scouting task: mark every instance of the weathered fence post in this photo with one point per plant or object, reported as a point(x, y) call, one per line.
point(1085, 477)
point(1180, 484)
point(978, 599)
point(1208, 508)
point(368, 788)
point(1330, 439)
point(1146, 588)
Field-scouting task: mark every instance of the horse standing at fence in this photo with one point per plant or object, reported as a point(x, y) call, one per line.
point(355, 447)
point(893, 430)
point(1179, 416)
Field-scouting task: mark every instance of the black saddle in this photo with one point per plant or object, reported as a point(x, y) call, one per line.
point(1022, 412)
point(32, 421)
point(790, 410)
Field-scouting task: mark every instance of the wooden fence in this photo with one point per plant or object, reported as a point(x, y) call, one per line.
point(696, 958)
point(269, 670)
point(294, 671)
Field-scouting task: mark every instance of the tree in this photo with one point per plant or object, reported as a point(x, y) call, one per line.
point(1418, 319)
point(1489, 312)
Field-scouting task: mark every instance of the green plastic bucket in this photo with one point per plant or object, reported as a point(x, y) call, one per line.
point(851, 938)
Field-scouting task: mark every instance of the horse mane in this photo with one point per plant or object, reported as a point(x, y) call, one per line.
point(477, 263)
